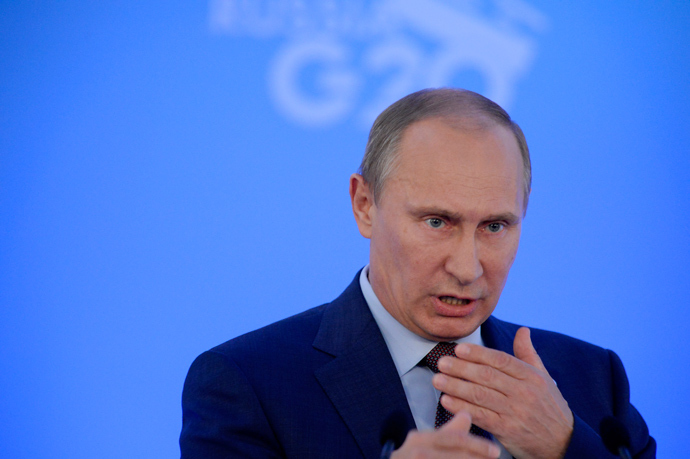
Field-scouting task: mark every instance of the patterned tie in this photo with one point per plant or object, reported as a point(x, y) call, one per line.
point(442, 414)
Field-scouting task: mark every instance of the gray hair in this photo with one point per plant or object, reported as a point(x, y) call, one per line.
point(463, 108)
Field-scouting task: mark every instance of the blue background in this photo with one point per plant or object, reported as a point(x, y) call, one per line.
point(156, 200)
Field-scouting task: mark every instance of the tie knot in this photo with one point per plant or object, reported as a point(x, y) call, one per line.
point(441, 349)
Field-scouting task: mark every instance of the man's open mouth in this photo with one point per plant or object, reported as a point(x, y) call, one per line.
point(455, 301)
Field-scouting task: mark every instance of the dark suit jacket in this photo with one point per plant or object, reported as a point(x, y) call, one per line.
point(321, 383)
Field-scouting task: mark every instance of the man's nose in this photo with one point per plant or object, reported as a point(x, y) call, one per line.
point(463, 260)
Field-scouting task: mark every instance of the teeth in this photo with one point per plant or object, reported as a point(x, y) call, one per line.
point(454, 301)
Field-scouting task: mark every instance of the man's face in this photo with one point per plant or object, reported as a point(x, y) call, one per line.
point(446, 229)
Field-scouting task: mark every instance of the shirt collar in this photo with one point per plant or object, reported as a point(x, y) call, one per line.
point(406, 347)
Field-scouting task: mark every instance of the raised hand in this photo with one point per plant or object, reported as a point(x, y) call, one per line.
point(514, 398)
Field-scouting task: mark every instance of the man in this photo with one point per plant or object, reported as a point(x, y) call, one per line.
point(442, 193)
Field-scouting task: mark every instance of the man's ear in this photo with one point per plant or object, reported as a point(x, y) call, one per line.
point(362, 204)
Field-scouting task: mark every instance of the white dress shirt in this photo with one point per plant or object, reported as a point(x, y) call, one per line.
point(407, 349)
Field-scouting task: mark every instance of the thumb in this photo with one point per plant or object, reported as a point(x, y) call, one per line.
point(460, 423)
point(524, 350)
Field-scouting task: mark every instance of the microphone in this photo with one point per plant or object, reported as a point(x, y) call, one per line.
point(615, 436)
point(393, 433)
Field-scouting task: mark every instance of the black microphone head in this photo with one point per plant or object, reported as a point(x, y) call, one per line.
point(394, 429)
point(614, 434)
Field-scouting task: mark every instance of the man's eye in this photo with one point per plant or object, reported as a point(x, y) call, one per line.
point(495, 227)
point(434, 222)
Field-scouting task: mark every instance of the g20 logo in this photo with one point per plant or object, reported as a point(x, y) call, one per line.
point(335, 71)
point(324, 82)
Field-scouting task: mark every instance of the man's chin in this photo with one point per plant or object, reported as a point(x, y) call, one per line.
point(460, 328)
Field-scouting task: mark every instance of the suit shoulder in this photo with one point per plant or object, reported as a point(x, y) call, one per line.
point(550, 338)
point(565, 341)
point(288, 335)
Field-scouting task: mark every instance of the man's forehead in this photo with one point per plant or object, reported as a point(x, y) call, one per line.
point(461, 202)
point(459, 122)
point(441, 166)
point(432, 141)
point(478, 124)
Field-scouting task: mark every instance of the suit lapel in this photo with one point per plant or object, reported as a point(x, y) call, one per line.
point(361, 381)
point(498, 335)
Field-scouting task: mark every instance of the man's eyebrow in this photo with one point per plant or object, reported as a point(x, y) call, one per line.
point(432, 210)
point(507, 216)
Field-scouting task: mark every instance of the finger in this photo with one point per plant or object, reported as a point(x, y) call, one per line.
point(480, 374)
point(480, 394)
point(453, 440)
point(454, 435)
point(466, 446)
point(460, 423)
point(483, 417)
point(441, 444)
point(499, 360)
point(524, 349)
